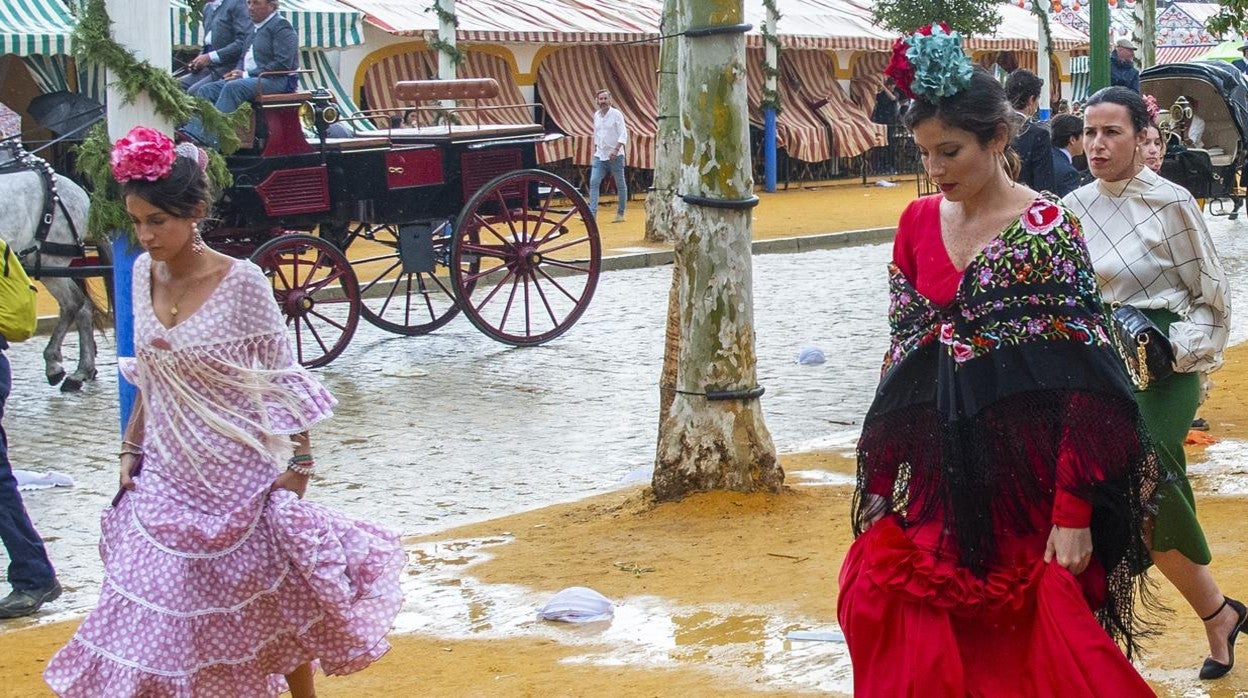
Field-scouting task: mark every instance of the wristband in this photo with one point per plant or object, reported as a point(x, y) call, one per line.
point(301, 468)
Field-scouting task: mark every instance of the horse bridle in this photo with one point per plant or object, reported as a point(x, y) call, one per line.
point(23, 162)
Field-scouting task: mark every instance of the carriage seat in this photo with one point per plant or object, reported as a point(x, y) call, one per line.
point(1221, 139)
point(462, 132)
point(355, 143)
point(279, 98)
point(426, 90)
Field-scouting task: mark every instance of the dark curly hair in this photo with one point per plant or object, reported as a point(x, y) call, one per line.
point(181, 193)
point(1021, 86)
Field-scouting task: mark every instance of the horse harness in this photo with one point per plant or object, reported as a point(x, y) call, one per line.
point(24, 162)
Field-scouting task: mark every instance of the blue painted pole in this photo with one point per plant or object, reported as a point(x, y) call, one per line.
point(124, 254)
point(769, 149)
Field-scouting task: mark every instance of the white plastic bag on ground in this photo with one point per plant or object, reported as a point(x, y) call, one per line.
point(577, 605)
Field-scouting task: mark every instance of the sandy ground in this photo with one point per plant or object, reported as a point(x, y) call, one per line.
point(759, 556)
point(727, 566)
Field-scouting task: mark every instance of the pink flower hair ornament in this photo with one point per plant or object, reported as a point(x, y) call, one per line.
point(143, 153)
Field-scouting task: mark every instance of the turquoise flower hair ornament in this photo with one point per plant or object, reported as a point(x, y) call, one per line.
point(930, 64)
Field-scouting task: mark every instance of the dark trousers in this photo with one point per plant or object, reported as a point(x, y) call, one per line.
point(29, 567)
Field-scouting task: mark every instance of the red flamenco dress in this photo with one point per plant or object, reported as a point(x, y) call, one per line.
point(1001, 412)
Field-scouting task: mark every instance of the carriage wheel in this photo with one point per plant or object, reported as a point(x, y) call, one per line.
point(408, 303)
point(316, 288)
point(537, 253)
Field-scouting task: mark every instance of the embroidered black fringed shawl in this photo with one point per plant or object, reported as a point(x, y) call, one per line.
point(977, 401)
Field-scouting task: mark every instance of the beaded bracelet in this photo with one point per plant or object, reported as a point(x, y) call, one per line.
point(301, 464)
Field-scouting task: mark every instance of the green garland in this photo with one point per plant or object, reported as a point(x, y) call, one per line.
point(771, 98)
point(93, 44)
point(438, 43)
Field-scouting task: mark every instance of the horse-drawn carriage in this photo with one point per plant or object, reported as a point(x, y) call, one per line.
point(442, 219)
point(1218, 93)
point(438, 219)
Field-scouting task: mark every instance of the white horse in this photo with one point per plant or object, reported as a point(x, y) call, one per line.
point(23, 197)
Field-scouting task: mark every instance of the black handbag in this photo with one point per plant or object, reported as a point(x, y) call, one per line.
point(1142, 345)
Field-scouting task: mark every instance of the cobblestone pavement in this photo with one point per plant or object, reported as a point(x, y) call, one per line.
point(440, 430)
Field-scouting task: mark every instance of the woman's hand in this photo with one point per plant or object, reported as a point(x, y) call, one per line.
point(290, 480)
point(873, 509)
point(129, 461)
point(302, 443)
point(1071, 547)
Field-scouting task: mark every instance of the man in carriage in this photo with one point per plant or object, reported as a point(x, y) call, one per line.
point(272, 47)
point(226, 29)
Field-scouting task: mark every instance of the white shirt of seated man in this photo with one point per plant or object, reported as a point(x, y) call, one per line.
point(1196, 132)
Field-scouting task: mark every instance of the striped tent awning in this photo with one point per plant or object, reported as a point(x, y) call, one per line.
point(521, 21)
point(567, 81)
point(380, 78)
point(813, 75)
point(801, 133)
point(35, 27)
point(319, 24)
point(1181, 54)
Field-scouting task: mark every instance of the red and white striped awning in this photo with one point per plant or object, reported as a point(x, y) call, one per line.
point(380, 77)
point(1181, 54)
point(813, 77)
point(567, 81)
point(801, 133)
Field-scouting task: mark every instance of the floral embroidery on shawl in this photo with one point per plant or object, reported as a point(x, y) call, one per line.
point(1033, 282)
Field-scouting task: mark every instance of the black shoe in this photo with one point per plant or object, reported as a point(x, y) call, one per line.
point(24, 603)
point(1216, 670)
point(1200, 424)
point(1233, 215)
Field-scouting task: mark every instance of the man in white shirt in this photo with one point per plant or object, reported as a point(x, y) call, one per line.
point(1195, 126)
point(610, 135)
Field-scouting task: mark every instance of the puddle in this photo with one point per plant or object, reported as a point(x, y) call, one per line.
point(820, 477)
point(1223, 470)
point(747, 645)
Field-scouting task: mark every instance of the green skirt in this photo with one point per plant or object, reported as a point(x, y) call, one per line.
point(1168, 407)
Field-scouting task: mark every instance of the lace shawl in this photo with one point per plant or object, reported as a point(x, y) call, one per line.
point(988, 405)
point(227, 370)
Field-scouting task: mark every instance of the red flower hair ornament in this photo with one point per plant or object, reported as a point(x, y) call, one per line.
point(143, 153)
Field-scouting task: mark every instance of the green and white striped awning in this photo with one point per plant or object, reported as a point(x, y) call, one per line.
point(319, 24)
point(35, 27)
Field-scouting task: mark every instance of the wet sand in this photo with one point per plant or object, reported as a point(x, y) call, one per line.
point(718, 578)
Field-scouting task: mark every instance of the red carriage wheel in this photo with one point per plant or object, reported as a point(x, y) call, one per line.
point(525, 257)
point(403, 302)
point(317, 290)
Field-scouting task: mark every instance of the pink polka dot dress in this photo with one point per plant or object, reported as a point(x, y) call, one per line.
point(212, 586)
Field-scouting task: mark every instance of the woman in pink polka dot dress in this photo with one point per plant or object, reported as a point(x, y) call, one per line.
point(219, 580)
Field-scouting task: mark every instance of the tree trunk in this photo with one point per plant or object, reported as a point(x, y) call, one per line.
point(667, 141)
point(714, 444)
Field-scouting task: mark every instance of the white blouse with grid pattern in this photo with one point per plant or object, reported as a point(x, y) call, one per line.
point(1151, 249)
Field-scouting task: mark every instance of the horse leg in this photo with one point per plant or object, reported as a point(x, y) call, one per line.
point(86, 348)
point(68, 299)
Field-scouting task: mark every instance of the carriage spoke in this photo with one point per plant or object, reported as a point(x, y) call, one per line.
point(475, 277)
point(510, 220)
point(542, 294)
point(528, 313)
point(389, 296)
point(381, 276)
point(490, 295)
point(487, 250)
point(315, 334)
point(541, 215)
point(486, 224)
point(378, 258)
point(511, 297)
point(558, 226)
point(316, 286)
point(565, 265)
point(564, 246)
point(559, 286)
point(327, 319)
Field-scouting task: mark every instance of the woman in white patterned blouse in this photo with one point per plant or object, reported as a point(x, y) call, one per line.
point(1150, 249)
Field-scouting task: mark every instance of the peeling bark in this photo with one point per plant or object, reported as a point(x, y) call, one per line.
point(667, 141)
point(721, 444)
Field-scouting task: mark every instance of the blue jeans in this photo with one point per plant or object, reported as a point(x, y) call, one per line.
point(228, 95)
point(29, 567)
point(597, 172)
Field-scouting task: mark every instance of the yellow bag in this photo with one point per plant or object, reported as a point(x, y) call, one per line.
point(17, 299)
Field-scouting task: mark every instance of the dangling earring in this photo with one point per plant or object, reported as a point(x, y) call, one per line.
point(1005, 167)
point(197, 242)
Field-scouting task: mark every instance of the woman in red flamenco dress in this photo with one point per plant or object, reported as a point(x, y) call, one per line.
point(1003, 479)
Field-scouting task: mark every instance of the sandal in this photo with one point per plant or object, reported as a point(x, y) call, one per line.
point(1213, 669)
